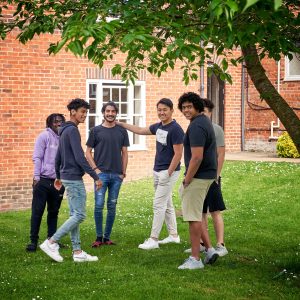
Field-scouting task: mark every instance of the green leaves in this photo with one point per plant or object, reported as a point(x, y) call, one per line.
point(249, 3)
point(155, 35)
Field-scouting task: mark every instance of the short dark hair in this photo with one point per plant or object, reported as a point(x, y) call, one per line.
point(165, 101)
point(77, 103)
point(193, 98)
point(50, 119)
point(208, 104)
point(110, 103)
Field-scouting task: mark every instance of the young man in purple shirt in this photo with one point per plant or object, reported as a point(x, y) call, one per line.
point(44, 192)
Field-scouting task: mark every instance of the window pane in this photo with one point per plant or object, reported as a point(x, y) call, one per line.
point(137, 107)
point(137, 92)
point(92, 106)
point(92, 122)
point(137, 121)
point(123, 95)
point(136, 139)
point(115, 95)
point(106, 95)
point(123, 109)
point(295, 65)
point(92, 90)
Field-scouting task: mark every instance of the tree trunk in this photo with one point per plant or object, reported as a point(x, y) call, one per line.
point(267, 91)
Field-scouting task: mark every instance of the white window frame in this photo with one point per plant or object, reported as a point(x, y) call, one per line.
point(99, 104)
point(287, 76)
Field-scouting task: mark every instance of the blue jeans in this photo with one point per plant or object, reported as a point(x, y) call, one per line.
point(76, 196)
point(112, 182)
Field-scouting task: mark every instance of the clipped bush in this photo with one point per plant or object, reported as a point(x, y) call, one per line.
point(285, 147)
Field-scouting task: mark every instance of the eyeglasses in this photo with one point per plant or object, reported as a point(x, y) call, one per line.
point(58, 121)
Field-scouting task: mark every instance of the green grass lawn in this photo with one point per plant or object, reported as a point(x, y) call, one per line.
point(262, 228)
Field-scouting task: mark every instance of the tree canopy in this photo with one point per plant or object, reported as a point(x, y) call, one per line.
point(155, 34)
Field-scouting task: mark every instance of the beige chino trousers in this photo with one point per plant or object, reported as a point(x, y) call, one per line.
point(163, 209)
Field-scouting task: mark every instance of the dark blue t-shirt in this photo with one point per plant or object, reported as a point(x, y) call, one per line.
point(108, 144)
point(200, 133)
point(166, 136)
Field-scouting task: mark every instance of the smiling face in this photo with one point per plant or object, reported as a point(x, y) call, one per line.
point(110, 114)
point(79, 115)
point(189, 110)
point(164, 113)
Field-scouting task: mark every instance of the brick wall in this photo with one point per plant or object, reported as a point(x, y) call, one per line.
point(34, 85)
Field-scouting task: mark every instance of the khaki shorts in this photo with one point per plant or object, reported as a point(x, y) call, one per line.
point(193, 198)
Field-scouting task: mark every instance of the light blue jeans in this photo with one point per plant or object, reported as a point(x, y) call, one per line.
point(111, 182)
point(76, 196)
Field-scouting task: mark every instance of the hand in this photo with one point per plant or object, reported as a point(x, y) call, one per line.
point(98, 184)
point(34, 182)
point(58, 184)
point(122, 176)
point(185, 183)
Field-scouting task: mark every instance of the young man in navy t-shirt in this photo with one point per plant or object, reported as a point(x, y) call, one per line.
point(201, 170)
point(169, 145)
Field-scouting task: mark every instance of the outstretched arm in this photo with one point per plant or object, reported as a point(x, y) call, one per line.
point(135, 129)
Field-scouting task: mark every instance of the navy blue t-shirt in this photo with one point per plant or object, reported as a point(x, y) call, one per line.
point(166, 136)
point(200, 133)
point(108, 144)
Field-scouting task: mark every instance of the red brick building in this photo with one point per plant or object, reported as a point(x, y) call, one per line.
point(34, 85)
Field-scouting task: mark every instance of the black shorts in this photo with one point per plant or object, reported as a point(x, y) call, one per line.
point(214, 199)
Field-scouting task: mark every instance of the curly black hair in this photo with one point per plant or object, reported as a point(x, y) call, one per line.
point(208, 104)
point(77, 103)
point(193, 98)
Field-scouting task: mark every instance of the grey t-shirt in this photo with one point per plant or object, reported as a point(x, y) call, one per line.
point(219, 133)
point(108, 144)
point(200, 133)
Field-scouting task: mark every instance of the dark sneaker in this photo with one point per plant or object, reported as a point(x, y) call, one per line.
point(97, 244)
point(109, 243)
point(211, 256)
point(31, 247)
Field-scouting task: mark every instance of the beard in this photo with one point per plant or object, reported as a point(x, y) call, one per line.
point(110, 120)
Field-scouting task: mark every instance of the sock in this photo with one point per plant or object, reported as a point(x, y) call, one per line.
point(99, 239)
point(105, 240)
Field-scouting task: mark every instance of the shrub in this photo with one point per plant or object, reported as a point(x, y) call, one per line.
point(285, 147)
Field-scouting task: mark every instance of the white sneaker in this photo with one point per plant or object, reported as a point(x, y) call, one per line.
point(211, 256)
point(202, 249)
point(51, 250)
point(191, 263)
point(170, 239)
point(221, 250)
point(149, 244)
point(83, 257)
